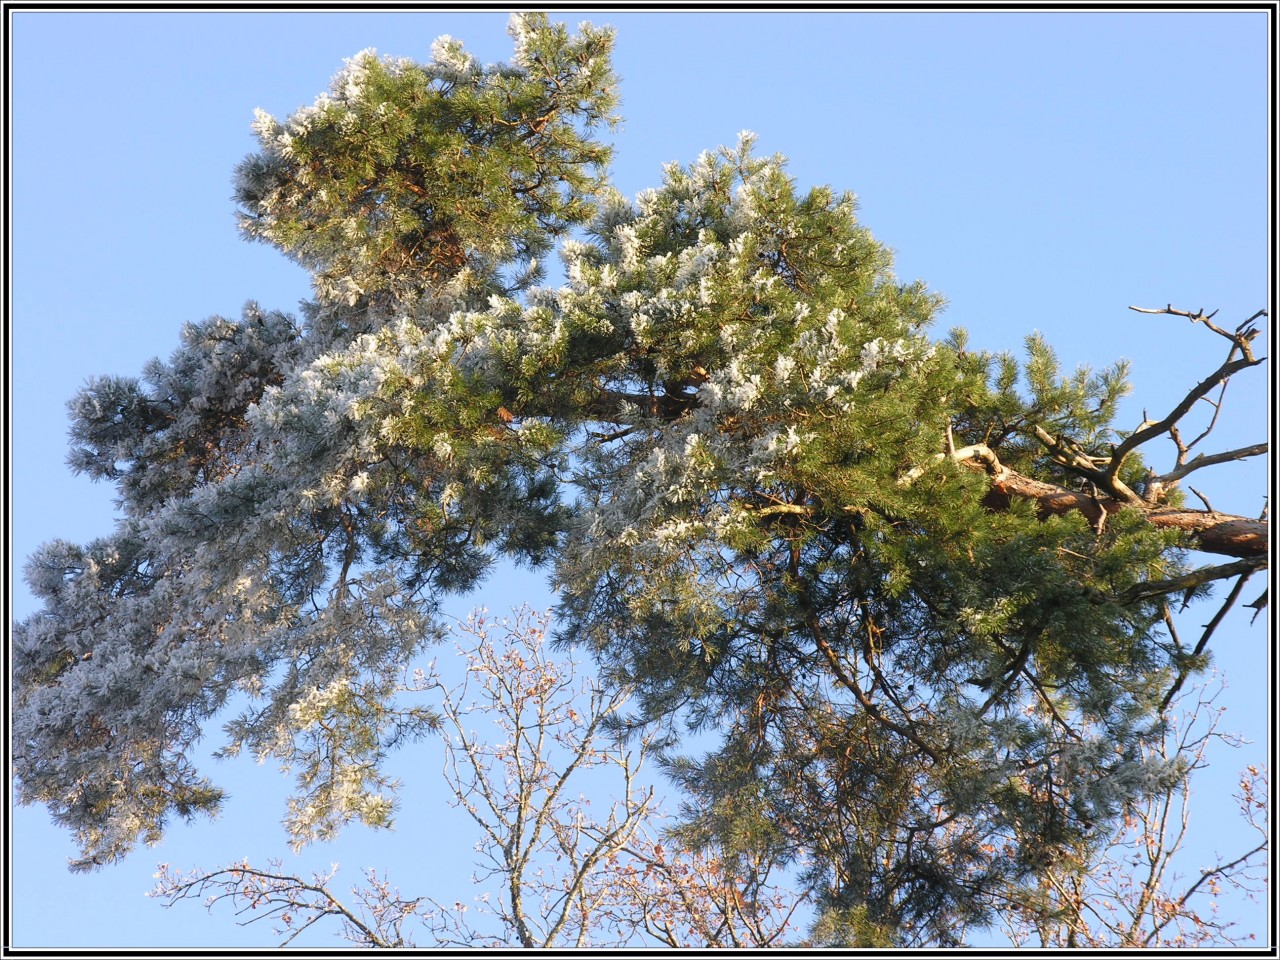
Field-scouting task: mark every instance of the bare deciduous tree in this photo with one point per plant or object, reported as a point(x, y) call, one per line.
point(524, 736)
point(1131, 889)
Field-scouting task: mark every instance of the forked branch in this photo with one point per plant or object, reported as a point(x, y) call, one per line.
point(1207, 530)
point(1241, 342)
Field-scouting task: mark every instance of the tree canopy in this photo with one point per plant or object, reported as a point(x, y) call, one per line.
point(918, 593)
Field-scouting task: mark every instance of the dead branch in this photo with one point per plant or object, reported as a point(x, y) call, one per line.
point(1245, 332)
point(1069, 454)
point(1189, 581)
point(1258, 605)
point(1208, 460)
point(1209, 628)
point(1201, 497)
point(977, 451)
point(1208, 530)
point(1241, 340)
point(1159, 427)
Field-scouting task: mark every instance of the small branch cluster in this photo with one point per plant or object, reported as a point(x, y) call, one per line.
point(293, 903)
point(685, 898)
point(516, 786)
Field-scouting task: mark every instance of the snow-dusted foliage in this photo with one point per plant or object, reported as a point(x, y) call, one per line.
point(280, 541)
point(404, 176)
point(183, 423)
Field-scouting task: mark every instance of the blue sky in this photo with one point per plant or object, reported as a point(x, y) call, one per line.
point(1042, 170)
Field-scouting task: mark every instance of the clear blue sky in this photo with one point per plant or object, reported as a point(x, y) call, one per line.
point(1042, 170)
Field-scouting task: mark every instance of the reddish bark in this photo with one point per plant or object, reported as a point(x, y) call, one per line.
point(1210, 531)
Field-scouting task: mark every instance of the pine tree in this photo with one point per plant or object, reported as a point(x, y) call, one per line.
point(918, 592)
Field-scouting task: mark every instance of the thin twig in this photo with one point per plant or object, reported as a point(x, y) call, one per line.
point(1203, 499)
point(1210, 627)
point(1245, 332)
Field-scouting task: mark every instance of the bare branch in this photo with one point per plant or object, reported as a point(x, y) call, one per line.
point(1243, 335)
point(977, 451)
point(1143, 434)
point(1210, 627)
point(1257, 606)
point(1208, 460)
point(1183, 450)
point(1069, 455)
point(1188, 581)
point(1240, 340)
point(296, 903)
point(1124, 892)
point(1202, 498)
